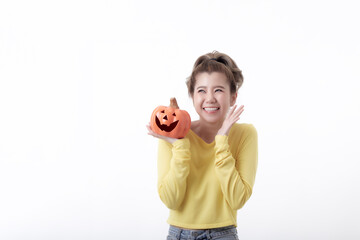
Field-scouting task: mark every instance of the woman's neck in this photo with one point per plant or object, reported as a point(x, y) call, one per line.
point(206, 131)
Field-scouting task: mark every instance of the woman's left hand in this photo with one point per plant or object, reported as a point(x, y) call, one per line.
point(232, 117)
point(152, 133)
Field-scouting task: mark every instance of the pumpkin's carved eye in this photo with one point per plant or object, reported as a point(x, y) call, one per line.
point(163, 111)
point(174, 114)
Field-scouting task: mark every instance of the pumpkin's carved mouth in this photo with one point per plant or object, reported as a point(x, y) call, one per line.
point(164, 127)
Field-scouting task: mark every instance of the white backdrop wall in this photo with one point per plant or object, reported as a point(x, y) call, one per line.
point(79, 80)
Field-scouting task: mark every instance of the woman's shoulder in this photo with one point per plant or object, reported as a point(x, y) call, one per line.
point(244, 127)
point(243, 130)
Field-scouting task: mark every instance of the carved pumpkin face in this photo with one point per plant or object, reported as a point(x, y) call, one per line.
point(170, 122)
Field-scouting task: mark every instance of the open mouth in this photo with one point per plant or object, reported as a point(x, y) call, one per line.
point(212, 109)
point(164, 127)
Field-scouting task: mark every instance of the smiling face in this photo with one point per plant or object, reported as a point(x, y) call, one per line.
point(212, 97)
point(166, 119)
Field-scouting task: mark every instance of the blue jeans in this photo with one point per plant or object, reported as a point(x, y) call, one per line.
point(223, 233)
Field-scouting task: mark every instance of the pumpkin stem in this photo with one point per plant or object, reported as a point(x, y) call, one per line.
point(173, 103)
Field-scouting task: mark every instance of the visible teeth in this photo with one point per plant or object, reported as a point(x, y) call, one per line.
point(211, 109)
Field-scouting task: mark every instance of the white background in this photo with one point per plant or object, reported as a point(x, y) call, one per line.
point(79, 80)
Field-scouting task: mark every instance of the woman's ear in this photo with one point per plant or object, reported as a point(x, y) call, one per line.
point(233, 99)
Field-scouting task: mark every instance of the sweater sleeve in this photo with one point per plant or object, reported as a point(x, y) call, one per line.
point(173, 169)
point(236, 174)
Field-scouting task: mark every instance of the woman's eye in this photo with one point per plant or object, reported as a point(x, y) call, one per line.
point(218, 90)
point(200, 91)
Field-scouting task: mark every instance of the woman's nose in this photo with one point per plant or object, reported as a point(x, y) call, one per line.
point(210, 97)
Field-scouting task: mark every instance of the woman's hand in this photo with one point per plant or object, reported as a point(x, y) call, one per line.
point(152, 133)
point(232, 117)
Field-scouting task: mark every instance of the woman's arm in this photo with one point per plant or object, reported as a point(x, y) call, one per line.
point(173, 169)
point(237, 174)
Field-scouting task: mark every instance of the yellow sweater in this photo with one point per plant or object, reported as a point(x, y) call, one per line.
point(204, 184)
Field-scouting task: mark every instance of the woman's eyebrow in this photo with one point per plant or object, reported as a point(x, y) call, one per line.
point(213, 87)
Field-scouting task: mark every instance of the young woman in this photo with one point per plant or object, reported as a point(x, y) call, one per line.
point(207, 176)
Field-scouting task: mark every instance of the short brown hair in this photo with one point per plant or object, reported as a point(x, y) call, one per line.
point(216, 62)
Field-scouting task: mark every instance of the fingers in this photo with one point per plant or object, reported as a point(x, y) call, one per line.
point(234, 113)
point(152, 133)
point(239, 111)
point(232, 110)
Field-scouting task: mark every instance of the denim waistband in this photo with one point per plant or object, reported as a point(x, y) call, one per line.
point(208, 233)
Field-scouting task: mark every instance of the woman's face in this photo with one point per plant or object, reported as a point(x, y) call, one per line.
point(212, 97)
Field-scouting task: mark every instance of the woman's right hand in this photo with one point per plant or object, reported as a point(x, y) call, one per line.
point(152, 133)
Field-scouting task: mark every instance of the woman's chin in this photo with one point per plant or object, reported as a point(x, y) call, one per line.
point(212, 120)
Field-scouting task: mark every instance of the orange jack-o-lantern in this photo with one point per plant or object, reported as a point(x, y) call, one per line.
point(170, 121)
